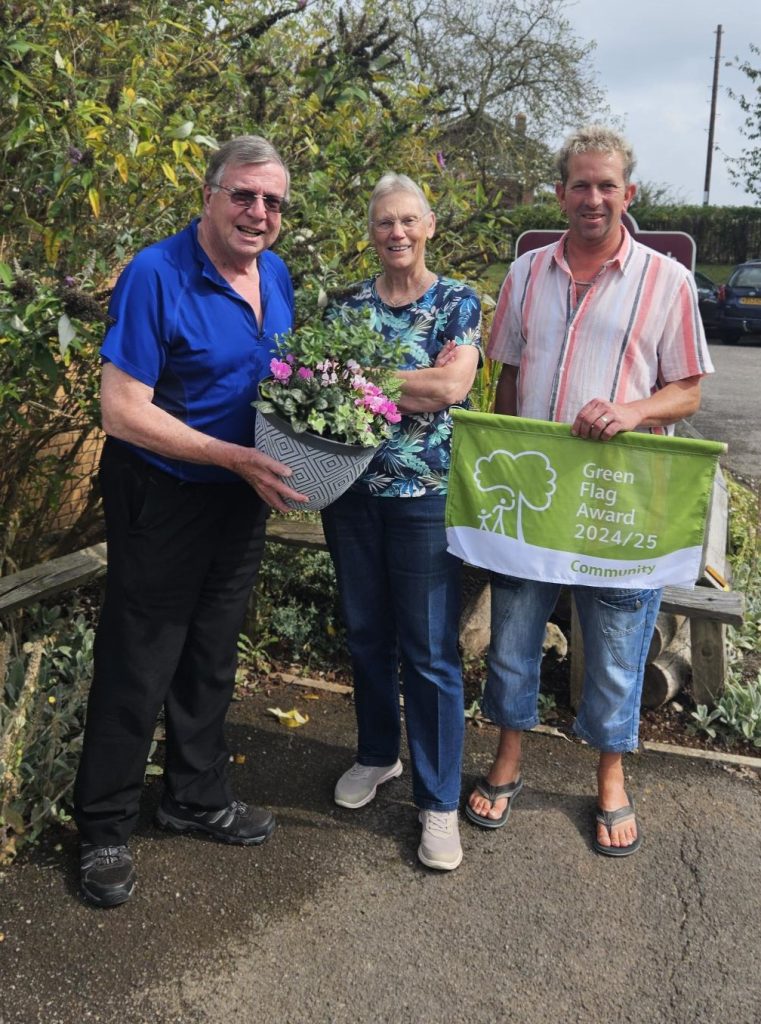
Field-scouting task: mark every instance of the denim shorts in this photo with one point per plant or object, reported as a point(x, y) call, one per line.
point(617, 627)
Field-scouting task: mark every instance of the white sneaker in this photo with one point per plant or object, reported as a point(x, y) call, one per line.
point(359, 785)
point(440, 841)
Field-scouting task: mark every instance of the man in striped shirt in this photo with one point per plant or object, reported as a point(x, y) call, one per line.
point(603, 333)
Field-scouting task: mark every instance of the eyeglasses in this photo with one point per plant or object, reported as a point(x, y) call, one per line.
point(245, 198)
point(388, 223)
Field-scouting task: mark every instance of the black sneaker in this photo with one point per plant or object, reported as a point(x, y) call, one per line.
point(106, 874)
point(236, 823)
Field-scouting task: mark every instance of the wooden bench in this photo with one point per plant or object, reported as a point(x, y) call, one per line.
point(46, 580)
point(709, 610)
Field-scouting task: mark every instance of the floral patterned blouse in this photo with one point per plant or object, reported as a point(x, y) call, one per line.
point(414, 461)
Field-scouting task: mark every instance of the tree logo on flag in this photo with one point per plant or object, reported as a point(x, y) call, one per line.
point(527, 478)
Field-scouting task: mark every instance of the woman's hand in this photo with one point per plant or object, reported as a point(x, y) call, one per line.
point(447, 354)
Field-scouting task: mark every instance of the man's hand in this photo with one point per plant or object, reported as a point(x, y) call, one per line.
point(264, 474)
point(129, 414)
point(600, 420)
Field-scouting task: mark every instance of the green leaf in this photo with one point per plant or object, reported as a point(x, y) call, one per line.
point(182, 131)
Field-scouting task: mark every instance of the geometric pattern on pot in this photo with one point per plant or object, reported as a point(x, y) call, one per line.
point(322, 469)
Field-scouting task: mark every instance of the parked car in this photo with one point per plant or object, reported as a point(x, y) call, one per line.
point(708, 303)
point(739, 308)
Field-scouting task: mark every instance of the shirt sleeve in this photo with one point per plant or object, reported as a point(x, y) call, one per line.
point(683, 351)
point(505, 336)
point(464, 321)
point(133, 341)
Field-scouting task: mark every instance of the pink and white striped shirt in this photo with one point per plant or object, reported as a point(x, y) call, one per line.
point(636, 329)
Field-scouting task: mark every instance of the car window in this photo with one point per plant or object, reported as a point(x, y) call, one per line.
point(746, 277)
point(702, 281)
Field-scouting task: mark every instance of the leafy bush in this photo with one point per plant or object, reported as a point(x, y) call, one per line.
point(737, 714)
point(111, 112)
point(41, 723)
point(297, 606)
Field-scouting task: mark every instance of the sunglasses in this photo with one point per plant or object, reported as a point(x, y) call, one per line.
point(245, 198)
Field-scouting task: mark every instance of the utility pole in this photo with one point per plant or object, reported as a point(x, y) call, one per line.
point(714, 91)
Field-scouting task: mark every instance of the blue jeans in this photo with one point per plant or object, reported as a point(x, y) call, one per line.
point(400, 595)
point(617, 626)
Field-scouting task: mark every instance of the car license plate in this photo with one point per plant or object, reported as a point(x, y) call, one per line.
point(750, 302)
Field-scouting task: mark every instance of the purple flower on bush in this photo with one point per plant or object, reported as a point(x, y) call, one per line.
point(304, 372)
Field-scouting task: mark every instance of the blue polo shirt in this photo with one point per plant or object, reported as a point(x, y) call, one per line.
point(180, 328)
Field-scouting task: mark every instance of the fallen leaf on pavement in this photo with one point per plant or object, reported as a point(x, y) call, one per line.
point(292, 719)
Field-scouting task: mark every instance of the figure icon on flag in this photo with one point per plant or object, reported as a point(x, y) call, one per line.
point(525, 478)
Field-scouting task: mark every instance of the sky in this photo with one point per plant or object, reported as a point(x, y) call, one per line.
point(655, 61)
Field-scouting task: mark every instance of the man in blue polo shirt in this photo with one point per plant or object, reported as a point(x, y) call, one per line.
point(185, 496)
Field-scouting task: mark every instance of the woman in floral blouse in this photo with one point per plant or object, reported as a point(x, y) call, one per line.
point(399, 587)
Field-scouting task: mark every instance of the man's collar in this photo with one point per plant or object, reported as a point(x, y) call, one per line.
point(620, 256)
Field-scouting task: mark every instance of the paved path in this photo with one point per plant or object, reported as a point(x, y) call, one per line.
point(731, 410)
point(333, 921)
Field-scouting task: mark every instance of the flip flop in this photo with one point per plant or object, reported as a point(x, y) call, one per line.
point(492, 794)
point(611, 818)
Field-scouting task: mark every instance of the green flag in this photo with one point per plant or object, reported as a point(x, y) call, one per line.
point(528, 499)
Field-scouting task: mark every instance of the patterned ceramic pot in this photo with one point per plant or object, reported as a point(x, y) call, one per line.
point(322, 469)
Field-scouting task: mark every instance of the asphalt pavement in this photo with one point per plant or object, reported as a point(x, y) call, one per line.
point(334, 921)
point(730, 409)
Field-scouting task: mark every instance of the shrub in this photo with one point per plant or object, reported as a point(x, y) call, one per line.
point(737, 714)
point(297, 606)
point(41, 722)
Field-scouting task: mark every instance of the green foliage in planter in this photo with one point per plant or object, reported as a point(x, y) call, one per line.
point(336, 377)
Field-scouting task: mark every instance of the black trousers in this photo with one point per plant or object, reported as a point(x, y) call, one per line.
point(182, 559)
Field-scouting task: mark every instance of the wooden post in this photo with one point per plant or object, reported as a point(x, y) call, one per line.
point(577, 659)
point(709, 660)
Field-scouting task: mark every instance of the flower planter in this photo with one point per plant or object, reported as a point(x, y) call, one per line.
point(322, 469)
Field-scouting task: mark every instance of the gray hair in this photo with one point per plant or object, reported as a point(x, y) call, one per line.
point(595, 138)
point(391, 183)
point(245, 149)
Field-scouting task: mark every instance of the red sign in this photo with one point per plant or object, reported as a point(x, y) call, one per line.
point(677, 244)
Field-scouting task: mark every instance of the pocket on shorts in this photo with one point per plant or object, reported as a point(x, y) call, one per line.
point(623, 616)
point(497, 579)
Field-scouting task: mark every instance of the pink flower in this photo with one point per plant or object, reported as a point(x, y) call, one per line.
point(280, 371)
point(304, 372)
